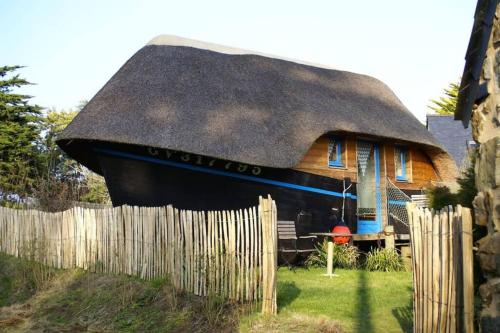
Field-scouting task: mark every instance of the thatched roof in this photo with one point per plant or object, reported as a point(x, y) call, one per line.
point(234, 104)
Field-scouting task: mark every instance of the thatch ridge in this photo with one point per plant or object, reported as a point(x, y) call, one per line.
point(171, 40)
point(242, 107)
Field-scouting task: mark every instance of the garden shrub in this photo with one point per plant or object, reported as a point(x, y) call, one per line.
point(441, 196)
point(344, 256)
point(385, 260)
point(467, 182)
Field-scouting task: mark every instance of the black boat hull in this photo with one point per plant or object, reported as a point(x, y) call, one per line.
point(149, 177)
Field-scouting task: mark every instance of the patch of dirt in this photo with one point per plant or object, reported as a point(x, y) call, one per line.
point(15, 318)
point(295, 323)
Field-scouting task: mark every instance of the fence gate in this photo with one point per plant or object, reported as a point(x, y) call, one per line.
point(443, 291)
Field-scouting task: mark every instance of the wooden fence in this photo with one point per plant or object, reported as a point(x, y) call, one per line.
point(441, 243)
point(228, 253)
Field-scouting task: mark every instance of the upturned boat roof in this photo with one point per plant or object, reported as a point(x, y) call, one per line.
point(233, 104)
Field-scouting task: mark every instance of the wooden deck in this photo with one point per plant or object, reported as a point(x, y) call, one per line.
point(361, 237)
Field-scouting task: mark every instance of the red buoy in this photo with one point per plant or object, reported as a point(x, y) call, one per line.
point(341, 229)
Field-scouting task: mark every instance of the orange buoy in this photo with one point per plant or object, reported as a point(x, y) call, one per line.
point(341, 229)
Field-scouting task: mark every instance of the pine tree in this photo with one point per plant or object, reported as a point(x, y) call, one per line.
point(19, 133)
point(448, 103)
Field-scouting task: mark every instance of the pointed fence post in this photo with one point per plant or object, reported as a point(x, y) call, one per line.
point(268, 219)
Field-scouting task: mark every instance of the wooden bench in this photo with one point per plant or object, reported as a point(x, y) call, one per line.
point(420, 200)
point(292, 247)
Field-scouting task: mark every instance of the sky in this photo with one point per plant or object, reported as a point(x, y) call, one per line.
point(72, 48)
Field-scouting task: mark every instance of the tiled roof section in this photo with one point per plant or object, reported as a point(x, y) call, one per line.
point(451, 135)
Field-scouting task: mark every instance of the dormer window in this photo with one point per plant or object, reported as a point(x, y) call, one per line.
point(335, 152)
point(401, 159)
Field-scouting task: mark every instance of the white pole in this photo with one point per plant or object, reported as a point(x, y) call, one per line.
point(329, 263)
point(329, 260)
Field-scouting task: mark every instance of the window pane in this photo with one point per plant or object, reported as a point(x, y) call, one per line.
point(333, 153)
point(401, 162)
point(399, 170)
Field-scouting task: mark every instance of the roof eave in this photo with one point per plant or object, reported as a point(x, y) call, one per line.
point(474, 58)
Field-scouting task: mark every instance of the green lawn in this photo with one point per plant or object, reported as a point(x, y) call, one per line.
point(35, 298)
point(360, 301)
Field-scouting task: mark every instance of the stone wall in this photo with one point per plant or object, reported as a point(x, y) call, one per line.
point(486, 131)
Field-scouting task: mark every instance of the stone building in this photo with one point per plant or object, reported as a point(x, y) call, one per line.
point(479, 103)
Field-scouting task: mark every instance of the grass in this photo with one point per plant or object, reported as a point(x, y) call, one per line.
point(20, 279)
point(360, 301)
point(79, 301)
point(34, 299)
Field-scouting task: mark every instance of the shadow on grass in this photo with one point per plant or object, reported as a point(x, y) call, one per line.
point(363, 311)
point(404, 316)
point(287, 293)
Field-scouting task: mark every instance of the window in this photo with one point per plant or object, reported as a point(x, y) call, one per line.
point(335, 152)
point(401, 156)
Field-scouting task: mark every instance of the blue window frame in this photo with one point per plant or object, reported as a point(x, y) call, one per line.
point(401, 157)
point(335, 152)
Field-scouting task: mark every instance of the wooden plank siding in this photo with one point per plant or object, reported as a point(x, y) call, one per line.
point(316, 160)
point(420, 169)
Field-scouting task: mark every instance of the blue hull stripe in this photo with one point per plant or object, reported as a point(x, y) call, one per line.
point(221, 173)
point(397, 202)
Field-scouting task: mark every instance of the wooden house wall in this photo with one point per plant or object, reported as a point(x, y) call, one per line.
point(316, 160)
point(420, 169)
